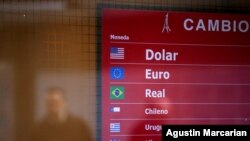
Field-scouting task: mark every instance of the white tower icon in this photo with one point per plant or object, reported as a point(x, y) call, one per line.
point(166, 25)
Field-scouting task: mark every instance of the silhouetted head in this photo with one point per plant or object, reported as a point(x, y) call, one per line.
point(56, 103)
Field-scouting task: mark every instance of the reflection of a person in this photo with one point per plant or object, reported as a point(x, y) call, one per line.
point(58, 124)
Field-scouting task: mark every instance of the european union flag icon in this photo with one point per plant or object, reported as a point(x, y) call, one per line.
point(117, 73)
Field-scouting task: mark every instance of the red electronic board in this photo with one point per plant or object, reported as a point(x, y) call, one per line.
point(165, 67)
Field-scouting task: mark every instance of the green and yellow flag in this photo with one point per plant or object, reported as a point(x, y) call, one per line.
point(116, 92)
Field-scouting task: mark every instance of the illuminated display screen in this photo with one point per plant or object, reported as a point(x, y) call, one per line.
point(93, 70)
point(165, 67)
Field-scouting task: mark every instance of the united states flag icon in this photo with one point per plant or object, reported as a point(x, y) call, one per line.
point(116, 53)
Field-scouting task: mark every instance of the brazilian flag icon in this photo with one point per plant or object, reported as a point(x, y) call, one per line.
point(116, 92)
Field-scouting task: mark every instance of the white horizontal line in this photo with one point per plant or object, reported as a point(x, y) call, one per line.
point(117, 55)
point(162, 119)
point(150, 83)
point(136, 135)
point(138, 103)
point(178, 44)
point(198, 65)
